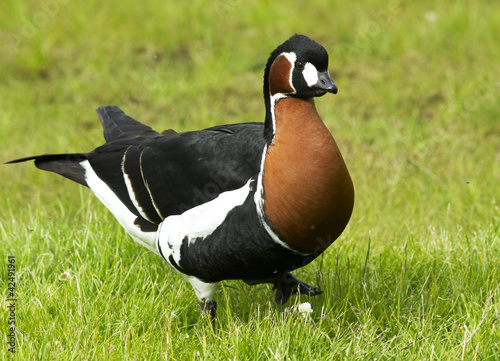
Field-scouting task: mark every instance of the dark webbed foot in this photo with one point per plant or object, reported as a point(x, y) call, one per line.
point(209, 308)
point(288, 285)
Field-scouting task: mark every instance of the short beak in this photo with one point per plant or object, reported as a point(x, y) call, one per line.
point(325, 83)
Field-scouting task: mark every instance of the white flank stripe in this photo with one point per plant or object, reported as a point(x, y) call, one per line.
point(131, 193)
point(147, 187)
point(119, 210)
point(200, 221)
point(132, 197)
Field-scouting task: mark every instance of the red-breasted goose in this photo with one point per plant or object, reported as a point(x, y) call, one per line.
point(250, 201)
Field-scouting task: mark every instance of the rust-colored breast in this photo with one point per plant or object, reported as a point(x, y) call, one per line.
point(309, 194)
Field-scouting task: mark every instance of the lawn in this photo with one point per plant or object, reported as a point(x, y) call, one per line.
point(416, 275)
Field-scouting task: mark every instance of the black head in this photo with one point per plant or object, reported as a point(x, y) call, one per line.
point(298, 68)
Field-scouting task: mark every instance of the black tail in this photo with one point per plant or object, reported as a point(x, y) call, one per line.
point(67, 165)
point(115, 123)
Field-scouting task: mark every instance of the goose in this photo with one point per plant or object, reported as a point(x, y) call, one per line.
point(248, 201)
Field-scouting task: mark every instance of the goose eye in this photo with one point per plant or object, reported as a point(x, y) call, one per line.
point(299, 65)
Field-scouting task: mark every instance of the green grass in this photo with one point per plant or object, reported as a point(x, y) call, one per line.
point(415, 276)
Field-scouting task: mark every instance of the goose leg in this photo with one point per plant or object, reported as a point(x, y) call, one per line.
point(205, 293)
point(209, 308)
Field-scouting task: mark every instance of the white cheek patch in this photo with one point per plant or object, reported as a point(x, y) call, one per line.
point(310, 74)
